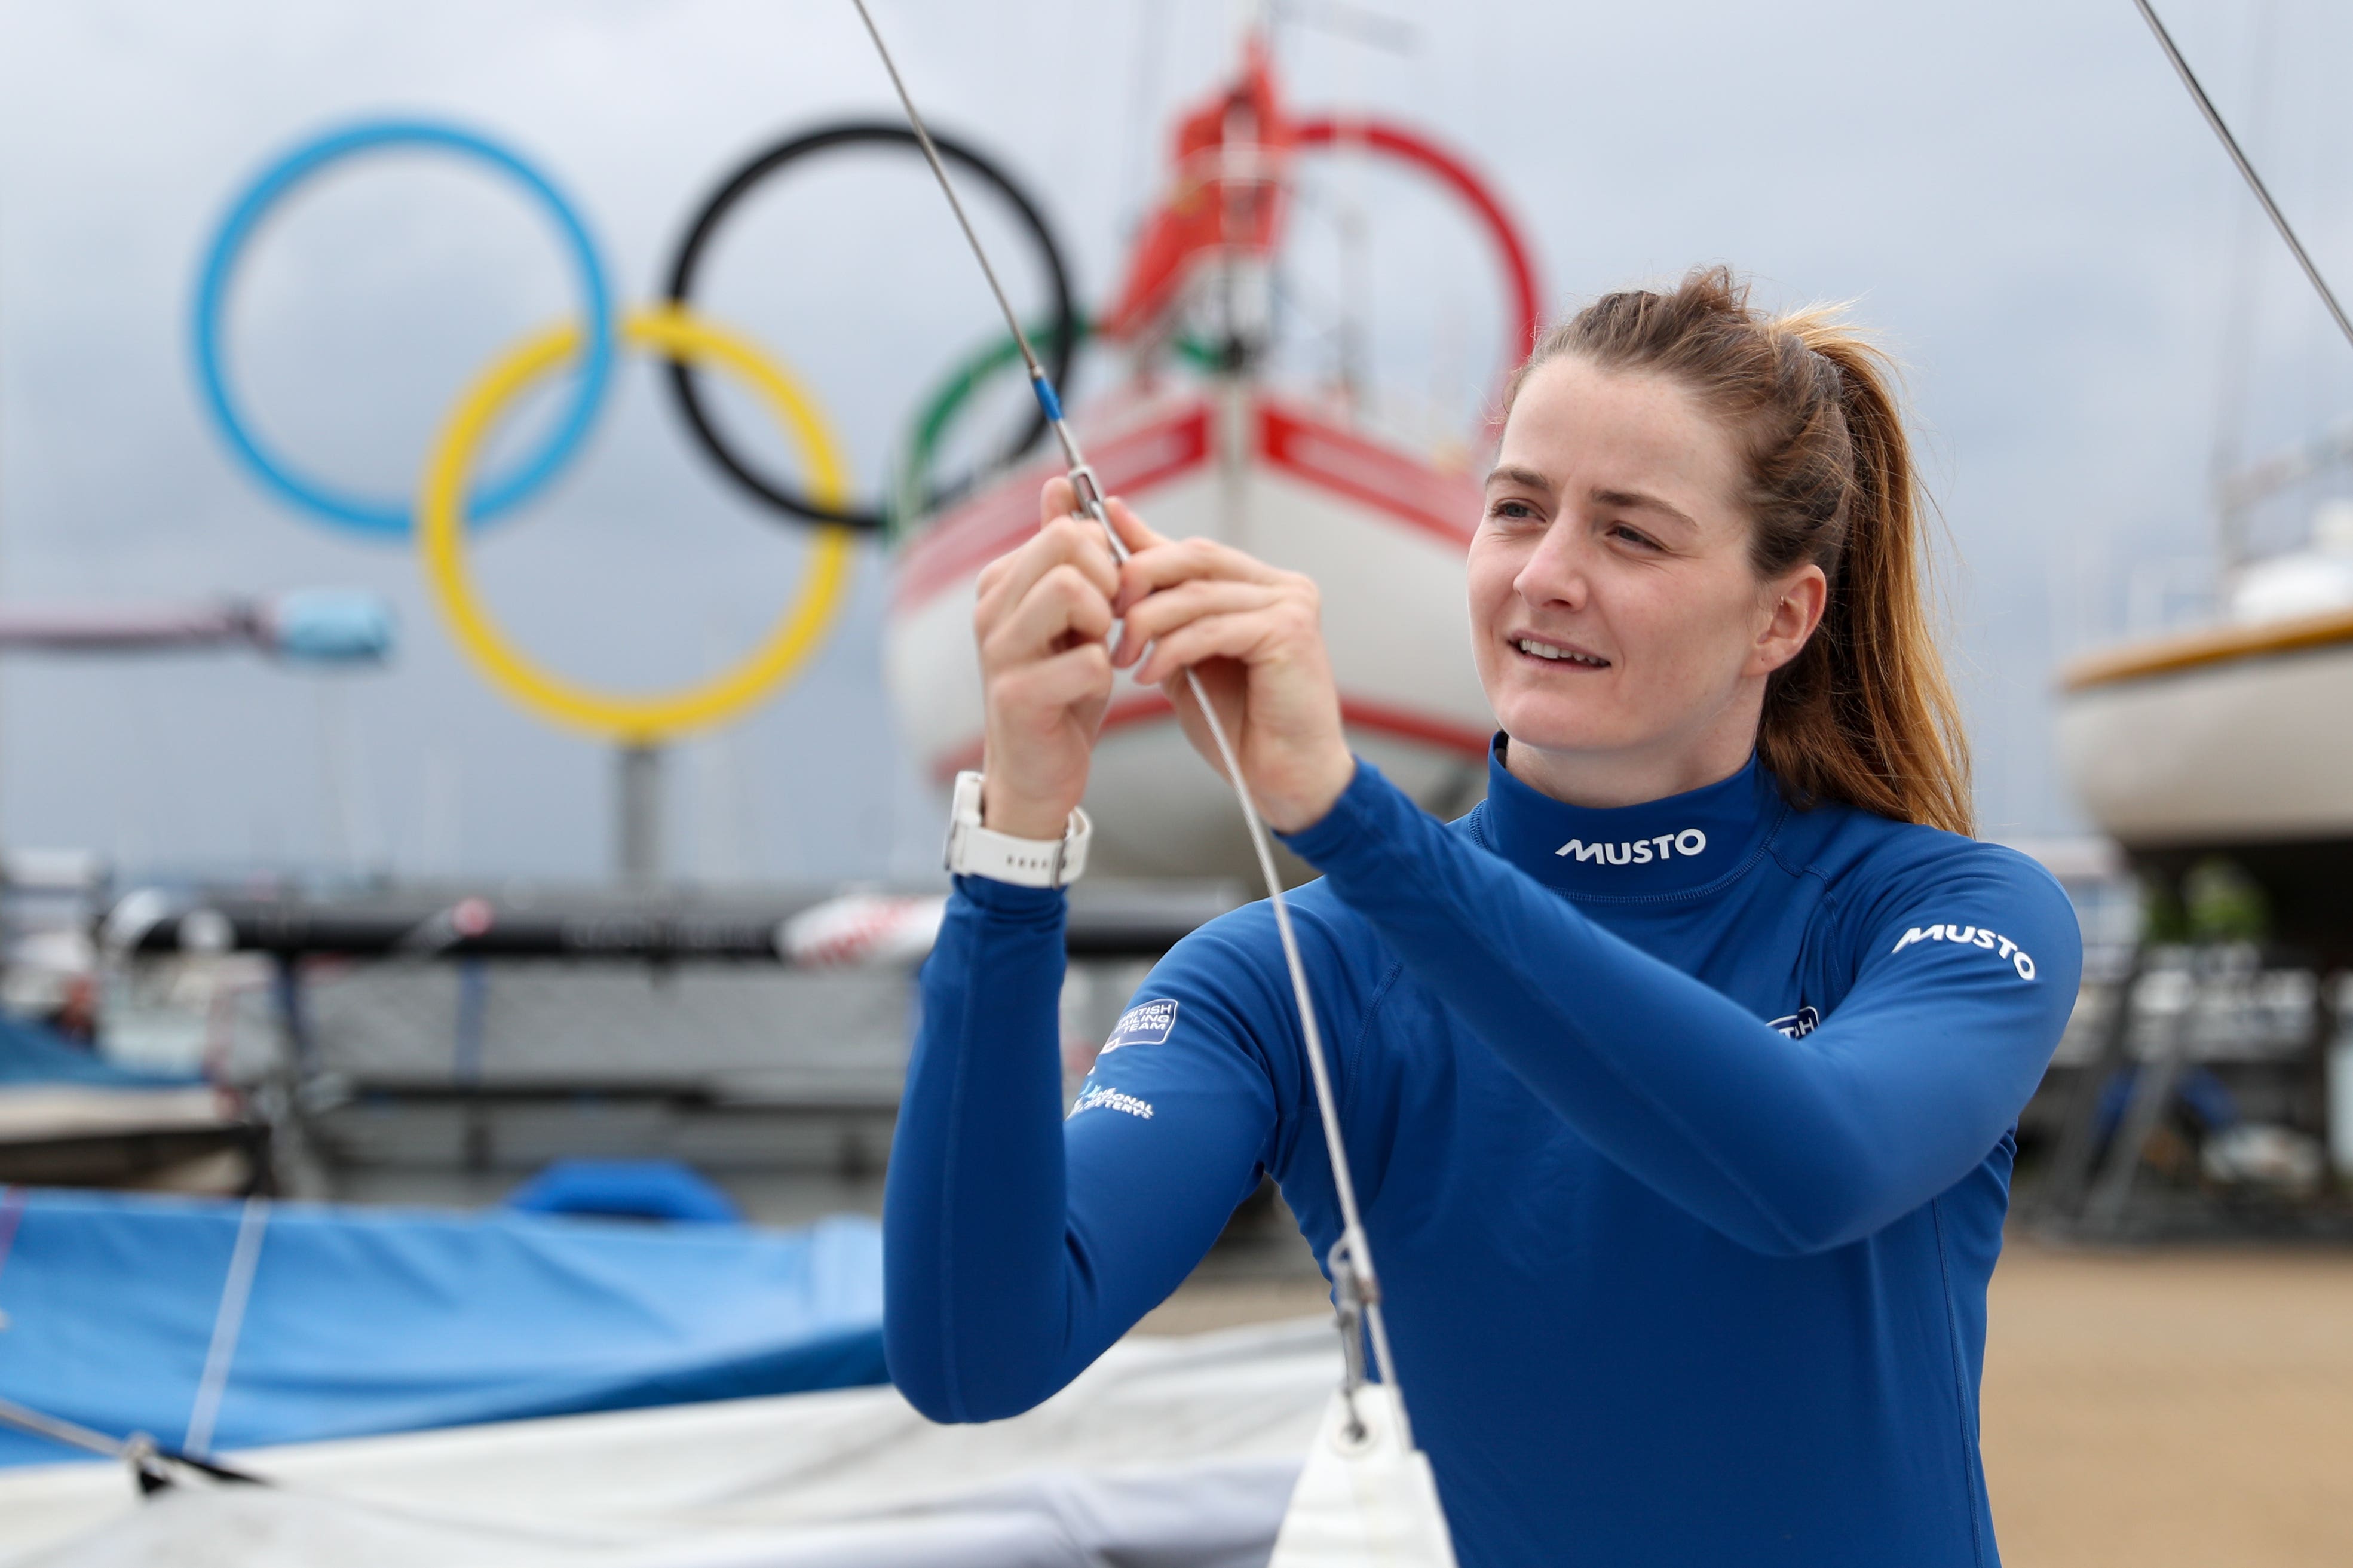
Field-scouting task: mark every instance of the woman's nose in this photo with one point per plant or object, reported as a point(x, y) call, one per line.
point(1555, 571)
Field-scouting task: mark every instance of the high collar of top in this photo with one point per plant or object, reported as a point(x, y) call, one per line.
point(1660, 847)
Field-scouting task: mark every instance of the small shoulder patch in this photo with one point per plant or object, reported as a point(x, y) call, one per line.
point(1145, 1024)
point(1109, 1099)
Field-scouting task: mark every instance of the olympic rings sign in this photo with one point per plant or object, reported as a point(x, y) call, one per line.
point(1059, 335)
point(387, 516)
point(630, 719)
point(450, 503)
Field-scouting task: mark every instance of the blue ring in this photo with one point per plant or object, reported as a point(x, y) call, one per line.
point(345, 508)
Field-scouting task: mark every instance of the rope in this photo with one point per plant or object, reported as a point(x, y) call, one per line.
point(917, 494)
point(57, 1429)
point(2254, 181)
point(1350, 1259)
point(228, 1321)
point(140, 1451)
point(12, 1215)
point(148, 1460)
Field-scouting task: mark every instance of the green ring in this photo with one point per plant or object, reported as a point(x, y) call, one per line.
point(938, 412)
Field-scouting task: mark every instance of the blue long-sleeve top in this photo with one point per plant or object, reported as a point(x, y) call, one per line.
point(1683, 1131)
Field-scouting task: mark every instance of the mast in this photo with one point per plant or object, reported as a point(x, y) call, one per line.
point(2242, 319)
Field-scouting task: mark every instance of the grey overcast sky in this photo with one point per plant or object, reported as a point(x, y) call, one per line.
point(2015, 192)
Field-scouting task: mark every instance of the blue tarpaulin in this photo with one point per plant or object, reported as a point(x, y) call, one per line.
point(364, 1320)
point(628, 1189)
point(32, 1054)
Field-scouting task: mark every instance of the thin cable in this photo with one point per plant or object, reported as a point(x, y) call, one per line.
point(56, 1429)
point(148, 1460)
point(939, 170)
point(1364, 1284)
point(12, 1215)
point(2254, 181)
point(1350, 1259)
point(229, 1323)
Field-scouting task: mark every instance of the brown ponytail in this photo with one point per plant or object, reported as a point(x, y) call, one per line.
point(1865, 714)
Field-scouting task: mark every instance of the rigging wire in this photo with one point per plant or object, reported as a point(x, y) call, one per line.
point(2243, 312)
point(228, 1324)
point(1350, 1259)
point(2254, 181)
point(57, 1429)
point(148, 1459)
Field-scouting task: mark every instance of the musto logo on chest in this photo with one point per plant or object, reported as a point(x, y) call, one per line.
point(1638, 851)
point(1971, 936)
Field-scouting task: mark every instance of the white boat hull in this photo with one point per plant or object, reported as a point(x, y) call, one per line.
point(1384, 537)
point(2231, 743)
point(2250, 751)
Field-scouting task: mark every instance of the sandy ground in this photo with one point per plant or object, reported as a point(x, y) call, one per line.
point(2163, 1409)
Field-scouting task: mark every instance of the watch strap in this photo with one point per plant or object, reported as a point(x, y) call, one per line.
point(974, 851)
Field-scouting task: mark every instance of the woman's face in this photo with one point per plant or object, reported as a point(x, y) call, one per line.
point(1613, 608)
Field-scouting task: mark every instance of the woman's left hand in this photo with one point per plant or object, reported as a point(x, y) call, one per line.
point(1255, 637)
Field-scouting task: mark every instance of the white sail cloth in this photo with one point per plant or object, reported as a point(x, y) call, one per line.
point(1365, 1497)
point(1167, 1453)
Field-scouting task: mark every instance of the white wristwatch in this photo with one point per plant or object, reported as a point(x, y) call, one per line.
point(977, 851)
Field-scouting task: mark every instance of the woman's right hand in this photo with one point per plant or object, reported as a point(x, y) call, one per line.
point(1044, 623)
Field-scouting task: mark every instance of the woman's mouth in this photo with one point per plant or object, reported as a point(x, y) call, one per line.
point(1556, 654)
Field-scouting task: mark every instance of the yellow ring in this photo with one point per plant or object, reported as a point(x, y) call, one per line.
point(634, 719)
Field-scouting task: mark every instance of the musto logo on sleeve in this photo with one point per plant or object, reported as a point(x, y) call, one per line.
point(1971, 936)
point(1145, 1024)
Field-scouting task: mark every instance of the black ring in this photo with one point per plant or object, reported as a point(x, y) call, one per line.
point(1060, 343)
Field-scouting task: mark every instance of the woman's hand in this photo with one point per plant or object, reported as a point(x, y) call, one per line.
point(1043, 621)
point(1251, 634)
point(1254, 636)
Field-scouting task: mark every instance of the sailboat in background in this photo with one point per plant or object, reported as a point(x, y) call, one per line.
point(2225, 740)
point(2229, 739)
point(1202, 442)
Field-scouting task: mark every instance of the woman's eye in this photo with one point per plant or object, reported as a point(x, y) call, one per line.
point(1512, 511)
point(1633, 536)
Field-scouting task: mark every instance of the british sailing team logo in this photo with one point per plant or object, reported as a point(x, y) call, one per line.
point(1145, 1024)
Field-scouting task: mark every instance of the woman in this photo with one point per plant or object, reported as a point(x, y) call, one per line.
point(1680, 1076)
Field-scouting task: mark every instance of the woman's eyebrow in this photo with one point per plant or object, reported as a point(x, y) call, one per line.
point(1512, 474)
point(1635, 500)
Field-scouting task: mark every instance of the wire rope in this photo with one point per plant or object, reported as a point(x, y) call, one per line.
point(916, 490)
point(228, 1324)
point(147, 1458)
point(2246, 168)
point(918, 493)
point(783, 495)
point(1350, 1258)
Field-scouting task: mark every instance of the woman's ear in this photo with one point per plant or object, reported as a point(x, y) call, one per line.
point(1793, 610)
